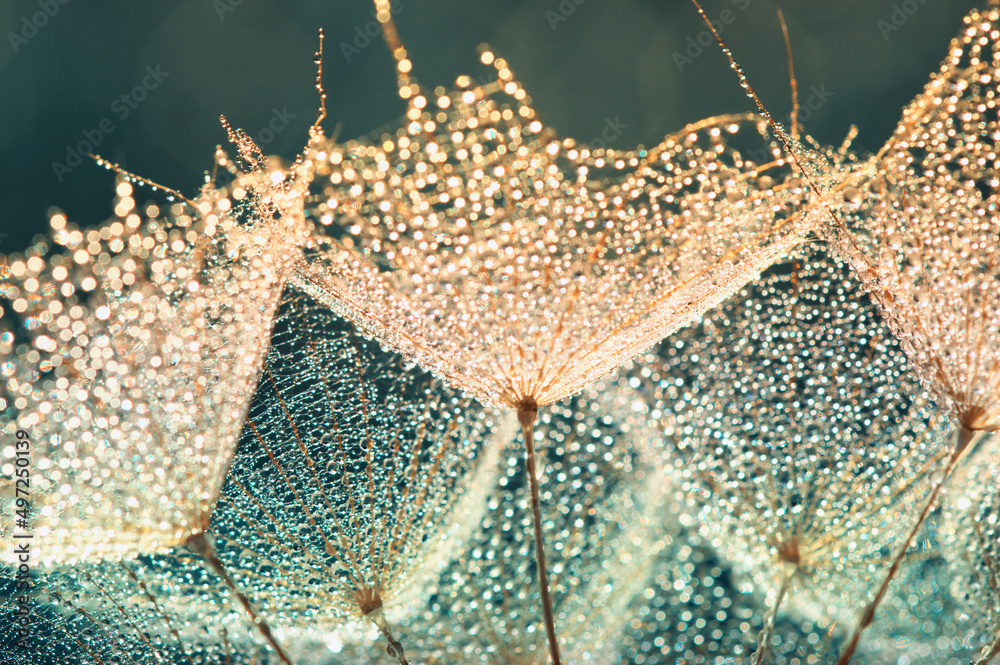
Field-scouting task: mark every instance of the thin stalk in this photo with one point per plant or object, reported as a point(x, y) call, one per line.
point(963, 437)
point(765, 634)
point(527, 414)
point(791, 75)
point(779, 133)
point(989, 655)
point(200, 544)
point(393, 648)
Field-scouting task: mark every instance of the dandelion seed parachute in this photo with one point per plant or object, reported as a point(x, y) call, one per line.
point(921, 228)
point(353, 481)
point(694, 611)
point(899, 219)
point(608, 507)
point(800, 434)
point(521, 267)
point(134, 350)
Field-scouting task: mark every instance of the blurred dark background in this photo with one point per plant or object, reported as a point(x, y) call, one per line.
point(589, 65)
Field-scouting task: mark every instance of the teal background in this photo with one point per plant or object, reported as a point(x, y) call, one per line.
point(609, 61)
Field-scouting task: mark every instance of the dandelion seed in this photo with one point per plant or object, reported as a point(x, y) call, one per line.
point(521, 267)
point(924, 241)
point(609, 508)
point(353, 481)
point(136, 348)
point(931, 189)
point(800, 434)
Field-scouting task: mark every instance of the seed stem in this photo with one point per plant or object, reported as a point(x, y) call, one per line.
point(963, 437)
point(989, 655)
point(764, 638)
point(393, 647)
point(202, 545)
point(527, 414)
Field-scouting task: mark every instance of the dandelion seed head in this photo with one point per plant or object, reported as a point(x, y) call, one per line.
point(516, 264)
point(135, 348)
point(353, 480)
point(923, 227)
point(799, 432)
